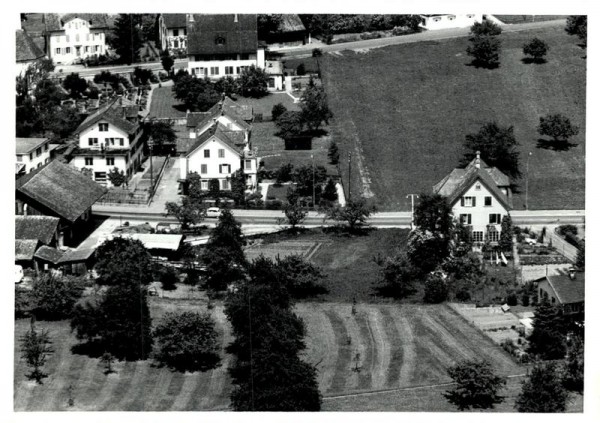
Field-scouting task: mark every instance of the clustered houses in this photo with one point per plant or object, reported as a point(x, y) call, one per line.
point(75, 36)
point(218, 146)
point(110, 138)
point(31, 154)
point(27, 51)
point(480, 196)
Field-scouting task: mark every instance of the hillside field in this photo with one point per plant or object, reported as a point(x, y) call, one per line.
point(403, 111)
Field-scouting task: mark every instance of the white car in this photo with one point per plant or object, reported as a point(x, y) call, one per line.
point(213, 212)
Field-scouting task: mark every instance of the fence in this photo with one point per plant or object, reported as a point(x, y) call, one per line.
point(562, 246)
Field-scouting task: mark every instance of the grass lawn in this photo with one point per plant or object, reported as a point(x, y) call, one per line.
point(405, 110)
point(271, 149)
point(265, 104)
point(164, 105)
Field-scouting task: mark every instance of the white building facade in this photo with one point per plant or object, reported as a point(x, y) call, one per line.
point(31, 154)
point(433, 22)
point(76, 39)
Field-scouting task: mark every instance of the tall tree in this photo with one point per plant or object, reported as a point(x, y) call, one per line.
point(269, 25)
point(75, 85)
point(196, 93)
point(289, 124)
point(35, 348)
point(162, 135)
point(477, 385)
point(127, 39)
point(53, 297)
point(577, 25)
point(574, 364)
point(355, 213)
point(498, 147)
point(537, 49)
point(547, 339)
point(558, 127)
point(506, 235)
point(223, 255)
point(333, 153)
point(485, 51)
point(580, 262)
point(542, 391)
point(434, 214)
point(188, 212)
point(253, 82)
point(313, 103)
point(486, 27)
point(121, 261)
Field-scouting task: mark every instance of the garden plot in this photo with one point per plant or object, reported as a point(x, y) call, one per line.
point(282, 249)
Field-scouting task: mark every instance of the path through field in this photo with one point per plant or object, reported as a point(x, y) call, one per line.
point(380, 347)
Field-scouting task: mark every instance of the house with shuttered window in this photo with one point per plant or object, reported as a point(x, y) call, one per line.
point(480, 196)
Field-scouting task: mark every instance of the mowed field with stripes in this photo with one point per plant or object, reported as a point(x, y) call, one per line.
point(377, 348)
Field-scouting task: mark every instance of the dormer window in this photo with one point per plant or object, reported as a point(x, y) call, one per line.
point(478, 186)
point(220, 41)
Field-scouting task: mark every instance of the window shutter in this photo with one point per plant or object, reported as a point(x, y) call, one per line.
point(474, 202)
point(462, 201)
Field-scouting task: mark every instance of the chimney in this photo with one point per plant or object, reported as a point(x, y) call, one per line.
point(235, 19)
point(572, 273)
point(191, 17)
point(478, 160)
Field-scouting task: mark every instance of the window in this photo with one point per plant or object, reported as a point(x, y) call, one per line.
point(228, 70)
point(271, 82)
point(103, 127)
point(203, 169)
point(89, 161)
point(220, 41)
point(247, 164)
point(67, 39)
point(30, 156)
point(495, 218)
point(493, 236)
point(214, 70)
point(477, 186)
point(38, 152)
point(121, 142)
point(221, 153)
point(68, 50)
point(110, 161)
point(175, 33)
point(207, 154)
point(58, 51)
point(47, 160)
point(184, 31)
point(95, 48)
point(77, 38)
point(87, 37)
point(19, 158)
point(467, 202)
point(225, 168)
point(92, 141)
point(478, 236)
point(175, 43)
point(225, 184)
point(437, 19)
point(100, 176)
point(204, 185)
point(465, 219)
point(39, 165)
point(109, 141)
point(488, 201)
point(237, 70)
point(87, 49)
point(46, 147)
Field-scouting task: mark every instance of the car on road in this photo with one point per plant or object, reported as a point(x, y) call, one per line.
point(213, 212)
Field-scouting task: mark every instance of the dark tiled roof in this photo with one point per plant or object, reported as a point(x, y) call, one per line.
point(76, 255)
point(291, 23)
point(240, 36)
point(222, 134)
point(112, 113)
point(62, 188)
point(34, 24)
point(55, 21)
point(25, 249)
point(194, 118)
point(568, 290)
point(234, 137)
point(175, 20)
point(42, 228)
point(27, 50)
point(49, 254)
point(27, 145)
point(460, 180)
point(244, 112)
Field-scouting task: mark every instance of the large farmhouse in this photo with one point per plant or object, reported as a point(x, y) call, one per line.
point(110, 138)
point(480, 196)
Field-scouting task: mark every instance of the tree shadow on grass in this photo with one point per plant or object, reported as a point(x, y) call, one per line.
point(481, 65)
point(202, 363)
point(533, 60)
point(92, 349)
point(345, 231)
point(555, 145)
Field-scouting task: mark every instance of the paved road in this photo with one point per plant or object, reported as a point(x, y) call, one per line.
point(380, 220)
point(441, 34)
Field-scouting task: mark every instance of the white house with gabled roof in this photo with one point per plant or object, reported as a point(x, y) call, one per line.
point(75, 36)
point(480, 196)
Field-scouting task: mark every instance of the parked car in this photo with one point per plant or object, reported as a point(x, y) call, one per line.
point(213, 212)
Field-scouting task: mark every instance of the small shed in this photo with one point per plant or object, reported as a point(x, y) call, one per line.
point(566, 290)
point(47, 258)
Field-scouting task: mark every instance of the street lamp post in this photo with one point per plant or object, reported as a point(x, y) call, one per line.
point(312, 158)
point(412, 210)
point(349, 175)
point(527, 183)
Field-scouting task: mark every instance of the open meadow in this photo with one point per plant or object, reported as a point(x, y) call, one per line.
point(403, 111)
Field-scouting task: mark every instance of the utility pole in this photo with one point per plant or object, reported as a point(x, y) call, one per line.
point(349, 175)
point(312, 158)
point(412, 210)
point(150, 145)
point(527, 183)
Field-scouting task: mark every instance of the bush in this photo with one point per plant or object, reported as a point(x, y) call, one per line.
point(187, 341)
point(512, 299)
point(317, 52)
point(53, 297)
point(436, 288)
point(277, 111)
point(301, 70)
point(168, 277)
point(563, 230)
